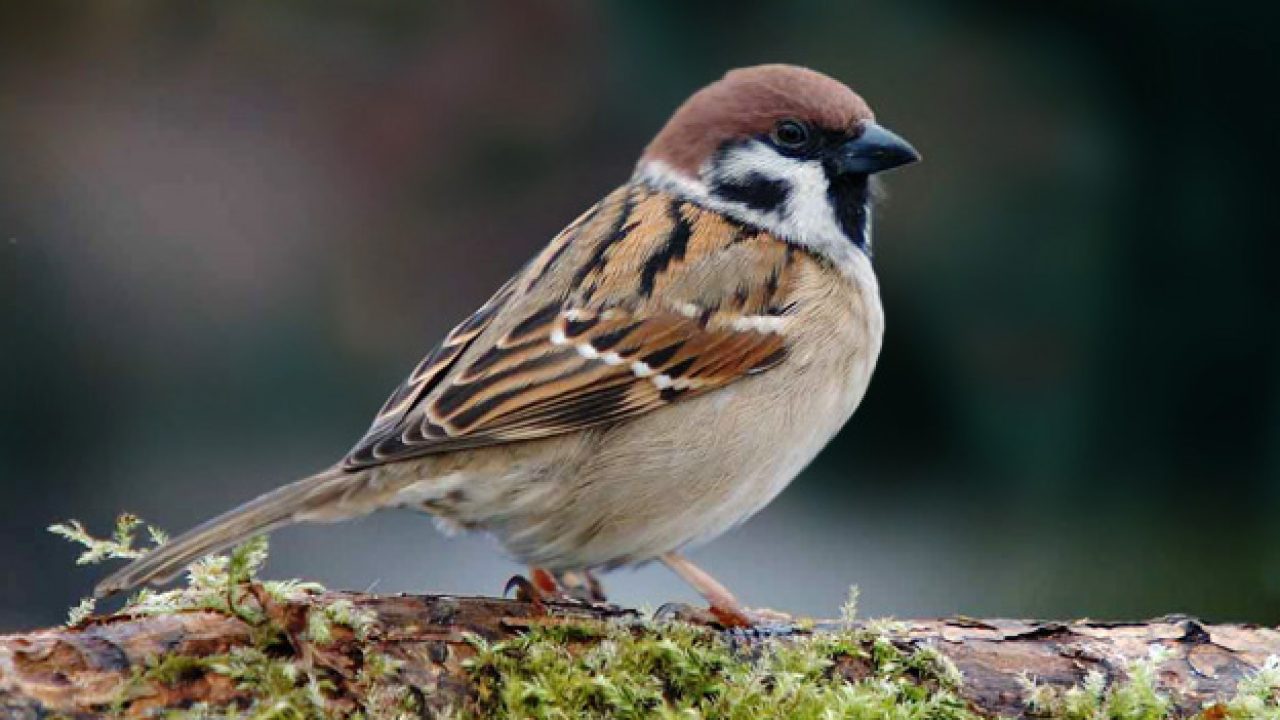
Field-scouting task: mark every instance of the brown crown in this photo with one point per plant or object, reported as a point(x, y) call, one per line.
point(750, 101)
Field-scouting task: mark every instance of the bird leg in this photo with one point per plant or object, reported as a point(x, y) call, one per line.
point(724, 607)
point(544, 581)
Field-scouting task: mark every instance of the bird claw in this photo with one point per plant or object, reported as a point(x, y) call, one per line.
point(744, 621)
point(525, 591)
point(543, 588)
point(683, 612)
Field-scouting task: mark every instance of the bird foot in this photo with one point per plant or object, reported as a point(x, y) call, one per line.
point(543, 587)
point(523, 590)
point(581, 586)
point(754, 620)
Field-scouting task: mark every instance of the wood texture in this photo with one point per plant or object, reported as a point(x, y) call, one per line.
point(83, 671)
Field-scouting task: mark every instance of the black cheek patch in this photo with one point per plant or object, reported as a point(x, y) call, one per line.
point(755, 191)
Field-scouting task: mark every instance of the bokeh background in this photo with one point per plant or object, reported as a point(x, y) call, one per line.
point(227, 230)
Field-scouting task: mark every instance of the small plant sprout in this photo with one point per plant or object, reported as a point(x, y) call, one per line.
point(1134, 698)
point(81, 612)
point(849, 609)
point(97, 550)
point(119, 545)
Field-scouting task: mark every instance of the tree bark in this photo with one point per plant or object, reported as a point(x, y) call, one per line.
point(99, 667)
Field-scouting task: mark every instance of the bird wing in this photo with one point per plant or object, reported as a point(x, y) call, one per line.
point(642, 302)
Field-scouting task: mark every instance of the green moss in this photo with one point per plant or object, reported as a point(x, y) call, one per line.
point(595, 670)
point(321, 620)
point(642, 670)
point(269, 670)
point(1135, 698)
point(1257, 696)
point(174, 669)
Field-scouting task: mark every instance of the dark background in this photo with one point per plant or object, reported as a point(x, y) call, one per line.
point(227, 230)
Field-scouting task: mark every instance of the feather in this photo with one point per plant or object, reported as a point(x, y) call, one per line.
point(642, 302)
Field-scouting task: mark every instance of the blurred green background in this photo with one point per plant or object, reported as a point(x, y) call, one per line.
point(227, 230)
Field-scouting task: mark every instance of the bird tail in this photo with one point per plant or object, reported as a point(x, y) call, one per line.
point(324, 496)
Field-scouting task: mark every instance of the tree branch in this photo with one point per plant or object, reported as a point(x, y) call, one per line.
point(339, 653)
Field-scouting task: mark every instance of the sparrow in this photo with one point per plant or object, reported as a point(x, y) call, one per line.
point(657, 374)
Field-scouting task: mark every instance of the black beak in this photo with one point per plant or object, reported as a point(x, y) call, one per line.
point(875, 150)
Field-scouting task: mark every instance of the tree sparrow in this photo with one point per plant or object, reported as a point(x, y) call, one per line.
point(658, 373)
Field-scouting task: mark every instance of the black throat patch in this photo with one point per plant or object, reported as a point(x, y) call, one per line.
point(850, 198)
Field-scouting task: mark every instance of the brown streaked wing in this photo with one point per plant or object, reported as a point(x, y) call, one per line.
point(635, 308)
point(577, 369)
point(392, 417)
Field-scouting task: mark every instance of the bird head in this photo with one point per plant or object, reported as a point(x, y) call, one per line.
point(780, 147)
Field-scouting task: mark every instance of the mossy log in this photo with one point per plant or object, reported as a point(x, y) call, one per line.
point(147, 666)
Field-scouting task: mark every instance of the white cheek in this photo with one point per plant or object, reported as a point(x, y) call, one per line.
point(808, 209)
point(807, 217)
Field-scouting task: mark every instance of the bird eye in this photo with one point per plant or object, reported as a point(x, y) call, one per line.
point(790, 135)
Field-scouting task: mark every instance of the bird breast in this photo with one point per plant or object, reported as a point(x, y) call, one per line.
point(671, 479)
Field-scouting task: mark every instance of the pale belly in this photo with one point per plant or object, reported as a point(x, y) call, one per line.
point(664, 481)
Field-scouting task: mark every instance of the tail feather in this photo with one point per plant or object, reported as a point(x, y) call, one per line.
point(318, 497)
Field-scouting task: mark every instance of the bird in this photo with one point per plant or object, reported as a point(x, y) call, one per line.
point(654, 376)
